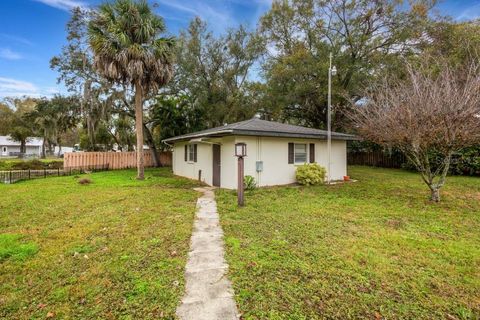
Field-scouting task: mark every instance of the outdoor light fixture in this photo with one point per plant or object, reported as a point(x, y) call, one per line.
point(240, 152)
point(334, 71)
point(240, 149)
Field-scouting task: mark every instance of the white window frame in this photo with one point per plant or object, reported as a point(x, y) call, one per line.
point(295, 153)
point(191, 153)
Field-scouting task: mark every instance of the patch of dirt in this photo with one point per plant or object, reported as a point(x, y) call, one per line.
point(395, 224)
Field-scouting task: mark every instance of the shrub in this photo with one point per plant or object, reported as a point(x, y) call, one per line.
point(55, 165)
point(465, 162)
point(249, 183)
point(26, 165)
point(310, 174)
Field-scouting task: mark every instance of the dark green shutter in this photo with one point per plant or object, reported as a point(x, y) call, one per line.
point(186, 153)
point(194, 153)
point(291, 156)
point(312, 152)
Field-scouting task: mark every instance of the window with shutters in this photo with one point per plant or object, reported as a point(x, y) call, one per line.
point(191, 153)
point(300, 153)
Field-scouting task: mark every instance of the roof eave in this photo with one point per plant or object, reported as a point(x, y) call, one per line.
point(292, 135)
point(221, 133)
point(199, 135)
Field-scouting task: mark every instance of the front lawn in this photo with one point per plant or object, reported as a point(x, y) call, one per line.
point(374, 249)
point(112, 249)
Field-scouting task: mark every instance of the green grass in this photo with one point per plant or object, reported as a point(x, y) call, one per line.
point(377, 248)
point(12, 247)
point(112, 249)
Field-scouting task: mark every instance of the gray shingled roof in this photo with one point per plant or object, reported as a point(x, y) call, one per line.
point(258, 127)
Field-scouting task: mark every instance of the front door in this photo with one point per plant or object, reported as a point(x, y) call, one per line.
point(216, 165)
point(4, 151)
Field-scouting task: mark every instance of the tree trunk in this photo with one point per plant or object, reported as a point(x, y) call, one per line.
point(152, 146)
point(116, 140)
point(139, 129)
point(44, 155)
point(50, 151)
point(91, 134)
point(422, 164)
point(59, 143)
point(435, 194)
point(87, 114)
point(23, 146)
point(436, 188)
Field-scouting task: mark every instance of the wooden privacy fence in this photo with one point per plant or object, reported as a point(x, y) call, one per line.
point(376, 159)
point(114, 160)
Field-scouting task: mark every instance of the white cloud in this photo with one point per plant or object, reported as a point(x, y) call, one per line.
point(16, 39)
point(52, 90)
point(12, 87)
point(217, 14)
point(178, 6)
point(8, 54)
point(470, 13)
point(66, 5)
point(18, 88)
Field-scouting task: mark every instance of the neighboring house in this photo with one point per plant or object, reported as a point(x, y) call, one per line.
point(274, 150)
point(61, 151)
point(9, 147)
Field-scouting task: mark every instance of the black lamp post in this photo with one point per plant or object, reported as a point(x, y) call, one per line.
point(240, 152)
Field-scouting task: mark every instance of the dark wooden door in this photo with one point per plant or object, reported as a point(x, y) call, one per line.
point(216, 165)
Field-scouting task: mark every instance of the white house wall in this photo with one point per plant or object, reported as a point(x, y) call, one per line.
point(272, 151)
point(33, 150)
point(191, 169)
point(229, 172)
point(30, 150)
point(274, 154)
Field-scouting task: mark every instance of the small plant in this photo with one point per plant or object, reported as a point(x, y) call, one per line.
point(310, 174)
point(84, 181)
point(249, 183)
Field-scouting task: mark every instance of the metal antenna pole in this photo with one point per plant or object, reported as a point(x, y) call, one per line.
point(329, 121)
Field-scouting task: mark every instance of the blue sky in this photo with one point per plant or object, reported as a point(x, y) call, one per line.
point(32, 31)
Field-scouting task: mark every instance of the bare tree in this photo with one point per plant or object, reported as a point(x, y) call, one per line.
point(430, 115)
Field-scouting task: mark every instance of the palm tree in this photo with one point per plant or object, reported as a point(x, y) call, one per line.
point(53, 117)
point(127, 47)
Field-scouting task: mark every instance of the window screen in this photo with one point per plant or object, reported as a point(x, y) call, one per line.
point(191, 152)
point(300, 153)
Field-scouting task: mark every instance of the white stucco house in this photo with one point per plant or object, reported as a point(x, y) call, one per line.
point(274, 150)
point(9, 147)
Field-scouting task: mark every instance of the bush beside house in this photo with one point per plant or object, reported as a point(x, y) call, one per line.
point(310, 174)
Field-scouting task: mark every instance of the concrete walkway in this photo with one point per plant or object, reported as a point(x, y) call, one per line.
point(209, 294)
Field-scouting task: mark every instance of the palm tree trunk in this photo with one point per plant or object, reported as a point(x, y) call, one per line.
point(139, 129)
